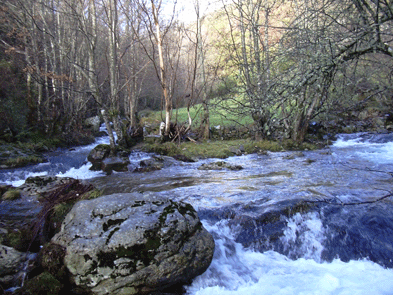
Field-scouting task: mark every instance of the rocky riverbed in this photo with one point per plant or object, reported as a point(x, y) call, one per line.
point(123, 243)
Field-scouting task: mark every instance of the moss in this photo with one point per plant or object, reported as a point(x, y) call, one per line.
point(186, 208)
point(93, 194)
point(106, 147)
point(43, 284)
point(60, 211)
point(221, 149)
point(19, 239)
point(40, 181)
point(167, 148)
point(110, 223)
point(301, 207)
point(23, 161)
point(11, 195)
point(51, 259)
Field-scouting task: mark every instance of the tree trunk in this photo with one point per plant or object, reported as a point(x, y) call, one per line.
point(167, 98)
point(93, 83)
point(112, 28)
point(205, 124)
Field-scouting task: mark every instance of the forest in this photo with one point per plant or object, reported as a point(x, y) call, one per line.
point(273, 66)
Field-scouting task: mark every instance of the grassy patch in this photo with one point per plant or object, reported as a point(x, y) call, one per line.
point(221, 148)
point(93, 194)
point(11, 195)
point(23, 161)
point(218, 115)
point(212, 149)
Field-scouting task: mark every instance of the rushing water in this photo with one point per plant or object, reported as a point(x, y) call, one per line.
point(344, 245)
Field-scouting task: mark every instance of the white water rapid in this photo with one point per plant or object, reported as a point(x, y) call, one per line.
point(236, 270)
point(334, 249)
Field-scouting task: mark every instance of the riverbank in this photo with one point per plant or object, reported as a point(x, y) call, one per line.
point(16, 155)
point(223, 148)
point(31, 149)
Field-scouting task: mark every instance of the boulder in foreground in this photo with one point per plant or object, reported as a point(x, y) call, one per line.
point(133, 244)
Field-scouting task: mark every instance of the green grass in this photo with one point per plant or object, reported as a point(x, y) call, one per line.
point(23, 161)
point(217, 111)
point(11, 195)
point(221, 148)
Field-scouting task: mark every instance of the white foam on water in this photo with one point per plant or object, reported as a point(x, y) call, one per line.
point(367, 148)
point(18, 180)
point(236, 270)
point(341, 143)
point(378, 153)
point(304, 235)
point(82, 172)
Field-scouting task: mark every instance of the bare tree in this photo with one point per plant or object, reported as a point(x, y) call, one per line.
point(156, 35)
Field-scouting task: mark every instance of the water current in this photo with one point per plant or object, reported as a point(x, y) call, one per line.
point(341, 243)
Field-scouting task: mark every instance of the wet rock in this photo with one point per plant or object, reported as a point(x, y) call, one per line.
point(238, 151)
point(294, 155)
point(115, 164)
point(156, 163)
point(97, 155)
point(133, 244)
point(101, 159)
point(39, 185)
point(13, 157)
point(30, 221)
point(183, 158)
point(11, 266)
point(220, 165)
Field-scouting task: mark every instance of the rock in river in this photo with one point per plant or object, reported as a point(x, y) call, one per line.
point(133, 244)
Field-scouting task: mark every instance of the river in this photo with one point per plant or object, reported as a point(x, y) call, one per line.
point(342, 245)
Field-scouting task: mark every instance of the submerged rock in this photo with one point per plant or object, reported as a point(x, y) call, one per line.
point(155, 163)
point(115, 164)
point(220, 165)
point(133, 244)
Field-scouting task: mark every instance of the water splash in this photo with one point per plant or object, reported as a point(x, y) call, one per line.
point(236, 270)
point(17, 179)
point(82, 172)
point(304, 236)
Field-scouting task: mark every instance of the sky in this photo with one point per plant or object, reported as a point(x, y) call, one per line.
point(186, 9)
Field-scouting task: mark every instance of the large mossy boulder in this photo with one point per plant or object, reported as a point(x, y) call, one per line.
point(101, 159)
point(133, 244)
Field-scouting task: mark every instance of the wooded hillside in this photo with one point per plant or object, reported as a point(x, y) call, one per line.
point(283, 63)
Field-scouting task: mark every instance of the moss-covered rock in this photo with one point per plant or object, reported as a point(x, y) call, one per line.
point(97, 155)
point(11, 195)
point(220, 165)
point(43, 284)
point(51, 259)
point(133, 244)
